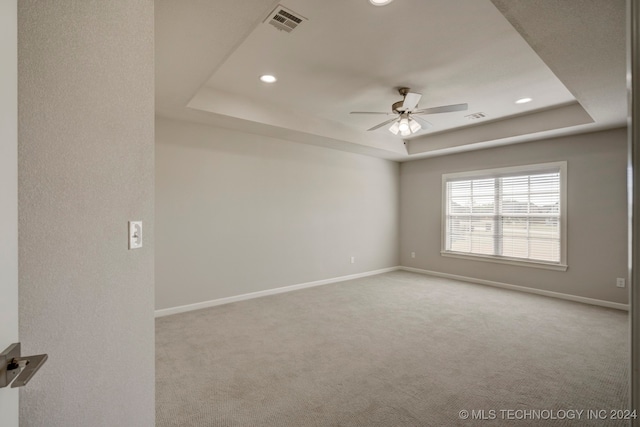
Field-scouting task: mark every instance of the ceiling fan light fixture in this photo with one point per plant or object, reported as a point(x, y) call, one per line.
point(406, 120)
point(403, 126)
point(380, 2)
point(395, 127)
point(414, 126)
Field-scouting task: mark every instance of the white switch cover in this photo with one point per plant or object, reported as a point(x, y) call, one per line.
point(135, 234)
point(620, 282)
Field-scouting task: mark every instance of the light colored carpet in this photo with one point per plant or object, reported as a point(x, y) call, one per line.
point(398, 349)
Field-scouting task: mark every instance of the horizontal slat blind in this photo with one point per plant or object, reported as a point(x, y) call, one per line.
point(515, 216)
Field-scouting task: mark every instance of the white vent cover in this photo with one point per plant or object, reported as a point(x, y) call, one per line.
point(475, 116)
point(284, 19)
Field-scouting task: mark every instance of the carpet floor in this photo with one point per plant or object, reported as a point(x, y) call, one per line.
point(397, 349)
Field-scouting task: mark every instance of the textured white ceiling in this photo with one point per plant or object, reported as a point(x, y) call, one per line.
point(352, 56)
point(583, 43)
point(193, 38)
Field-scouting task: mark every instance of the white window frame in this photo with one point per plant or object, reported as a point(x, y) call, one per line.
point(511, 171)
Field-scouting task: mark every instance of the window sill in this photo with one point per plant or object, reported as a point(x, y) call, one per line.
point(508, 261)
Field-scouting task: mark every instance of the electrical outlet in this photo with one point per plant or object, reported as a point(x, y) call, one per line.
point(353, 260)
point(620, 282)
point(413, 254)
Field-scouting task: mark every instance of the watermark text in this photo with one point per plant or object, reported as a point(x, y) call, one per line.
point(546, 414)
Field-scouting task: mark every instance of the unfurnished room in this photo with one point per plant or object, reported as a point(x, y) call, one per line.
point(323, 213)
point(403, 156)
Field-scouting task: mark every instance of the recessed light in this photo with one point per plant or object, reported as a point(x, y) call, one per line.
point(268, 78)
point(523, 100)
point(380, 2)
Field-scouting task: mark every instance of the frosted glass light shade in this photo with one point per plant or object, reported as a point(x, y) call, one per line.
point(395, 127)
point(414, 126)
point(404, 125)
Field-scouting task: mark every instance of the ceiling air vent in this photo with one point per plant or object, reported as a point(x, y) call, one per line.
point(284, 19)
point(475, 116)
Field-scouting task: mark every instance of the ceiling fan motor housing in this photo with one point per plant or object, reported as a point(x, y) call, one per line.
point(396, 107)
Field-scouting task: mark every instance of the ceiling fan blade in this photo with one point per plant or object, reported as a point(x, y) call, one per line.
point(369, 112)
point(411, 101)
point(442, 109)
point(424, 123)
point(383, 123)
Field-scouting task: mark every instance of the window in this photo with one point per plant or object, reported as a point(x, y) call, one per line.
point(513, 215)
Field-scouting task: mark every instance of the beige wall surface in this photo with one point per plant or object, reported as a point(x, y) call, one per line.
point(597, 214)
point(239, 213)
point(85, 168)
point(8, 196)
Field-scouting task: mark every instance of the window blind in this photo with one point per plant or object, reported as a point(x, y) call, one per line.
point(515, 215)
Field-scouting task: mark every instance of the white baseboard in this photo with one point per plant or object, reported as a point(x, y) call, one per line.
point(227, 300)
point(552, 294)
point(274, 291)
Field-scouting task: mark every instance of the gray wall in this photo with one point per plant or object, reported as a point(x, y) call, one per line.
point(240, 213)
point(8, 196)
point(597, 214)
point(86, 135)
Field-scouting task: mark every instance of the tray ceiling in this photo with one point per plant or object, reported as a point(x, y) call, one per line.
point(351, 56)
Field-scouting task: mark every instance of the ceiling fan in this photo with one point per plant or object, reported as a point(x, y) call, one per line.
point(407, 120)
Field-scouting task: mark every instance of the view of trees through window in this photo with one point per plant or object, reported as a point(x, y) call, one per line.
point(510, 216)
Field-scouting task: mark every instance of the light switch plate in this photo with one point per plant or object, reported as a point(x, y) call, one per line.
point(135, 234)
